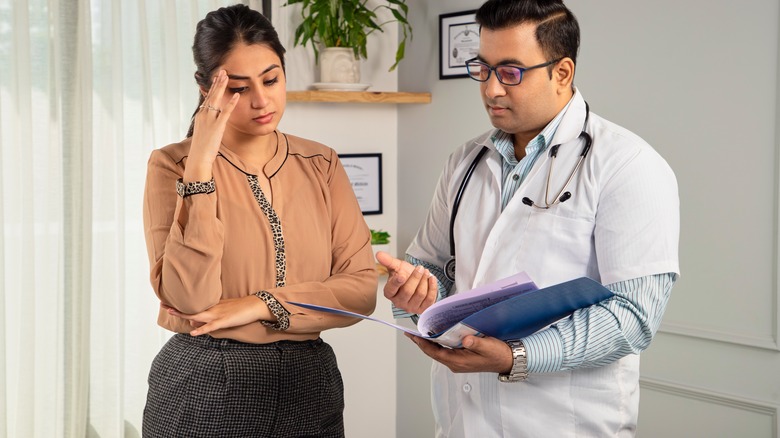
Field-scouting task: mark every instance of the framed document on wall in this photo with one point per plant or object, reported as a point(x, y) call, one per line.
point(458, 42)
point(365, 174)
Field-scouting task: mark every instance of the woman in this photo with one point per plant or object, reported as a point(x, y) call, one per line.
point(240, 219)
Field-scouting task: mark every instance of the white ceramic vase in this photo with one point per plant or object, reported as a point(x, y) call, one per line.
point(339, 65)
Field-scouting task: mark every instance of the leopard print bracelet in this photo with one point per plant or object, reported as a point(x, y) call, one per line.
point(282, 315)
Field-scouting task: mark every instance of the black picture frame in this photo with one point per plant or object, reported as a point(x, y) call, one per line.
point(458, 41)
point(365, 174)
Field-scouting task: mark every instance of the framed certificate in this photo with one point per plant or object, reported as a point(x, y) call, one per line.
point(365, 174)
point(458, 42)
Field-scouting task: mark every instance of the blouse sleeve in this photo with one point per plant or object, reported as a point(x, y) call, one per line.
point(352, 284)
point(184, 239)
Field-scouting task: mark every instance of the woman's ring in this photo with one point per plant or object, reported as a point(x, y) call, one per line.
point(211, 108)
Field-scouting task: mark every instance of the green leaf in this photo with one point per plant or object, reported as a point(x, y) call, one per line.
point(399, 55)
point(380, 237)
point(400, 4)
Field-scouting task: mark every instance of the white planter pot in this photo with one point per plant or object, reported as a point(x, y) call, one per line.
point(338, 65)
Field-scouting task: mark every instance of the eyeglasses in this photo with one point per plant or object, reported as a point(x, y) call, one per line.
point(506, 74)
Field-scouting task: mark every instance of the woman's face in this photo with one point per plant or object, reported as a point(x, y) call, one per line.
point(255, 73)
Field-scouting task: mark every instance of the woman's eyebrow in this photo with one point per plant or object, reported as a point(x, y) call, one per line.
point(244, 78)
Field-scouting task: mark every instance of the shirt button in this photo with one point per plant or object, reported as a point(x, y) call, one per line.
point(515, 177)
point(466, 388)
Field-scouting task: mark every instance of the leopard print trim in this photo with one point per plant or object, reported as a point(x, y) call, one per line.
point(276, 229)
point(194, 187)
point(282, 315)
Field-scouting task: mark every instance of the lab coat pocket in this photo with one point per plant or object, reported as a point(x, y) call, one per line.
point(557, 248)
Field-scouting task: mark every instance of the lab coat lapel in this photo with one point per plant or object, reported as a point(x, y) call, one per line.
point(480, 209)
point(495, 261)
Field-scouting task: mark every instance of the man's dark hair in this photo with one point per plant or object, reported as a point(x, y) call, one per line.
point(557, 30)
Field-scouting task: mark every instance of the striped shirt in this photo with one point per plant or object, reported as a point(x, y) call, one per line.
point(514, 172)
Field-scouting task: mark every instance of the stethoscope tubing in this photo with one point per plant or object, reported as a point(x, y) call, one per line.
point(458, 196)
point(449, 269)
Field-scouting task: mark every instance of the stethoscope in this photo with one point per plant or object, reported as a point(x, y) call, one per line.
point(561, 196)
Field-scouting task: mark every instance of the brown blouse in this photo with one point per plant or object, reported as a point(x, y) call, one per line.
point(206, 247)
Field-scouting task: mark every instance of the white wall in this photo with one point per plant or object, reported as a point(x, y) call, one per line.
point(699, 81)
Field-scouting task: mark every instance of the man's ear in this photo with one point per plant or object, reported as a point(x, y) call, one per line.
point(563, 74)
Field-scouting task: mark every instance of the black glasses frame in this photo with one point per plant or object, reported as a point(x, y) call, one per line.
point(476, 63)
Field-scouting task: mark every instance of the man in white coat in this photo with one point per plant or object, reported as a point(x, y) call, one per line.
point(559, 193)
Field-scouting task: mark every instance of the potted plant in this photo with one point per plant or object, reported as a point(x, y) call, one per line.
point(346, 24)
point(379, 237)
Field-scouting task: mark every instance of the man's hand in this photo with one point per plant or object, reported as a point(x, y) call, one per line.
point(478, 355)
point(411, 289)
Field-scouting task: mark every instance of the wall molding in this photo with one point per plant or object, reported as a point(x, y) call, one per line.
point(765, 342)
point(728, 400)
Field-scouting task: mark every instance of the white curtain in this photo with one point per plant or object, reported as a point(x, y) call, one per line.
point(87, 89)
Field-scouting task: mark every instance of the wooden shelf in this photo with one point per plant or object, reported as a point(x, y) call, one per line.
point(358, 97)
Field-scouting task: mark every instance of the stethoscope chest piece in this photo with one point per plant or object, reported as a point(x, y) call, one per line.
point(449, 269)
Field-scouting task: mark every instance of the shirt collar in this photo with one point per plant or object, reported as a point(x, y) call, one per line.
point(271, 167)
point(503, 141)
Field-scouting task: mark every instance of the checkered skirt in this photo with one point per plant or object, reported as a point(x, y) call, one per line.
point(206, 387)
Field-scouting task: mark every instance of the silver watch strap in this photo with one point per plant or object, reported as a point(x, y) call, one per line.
point(519, 371)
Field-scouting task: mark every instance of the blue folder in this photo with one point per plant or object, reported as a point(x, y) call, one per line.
point(526, 313)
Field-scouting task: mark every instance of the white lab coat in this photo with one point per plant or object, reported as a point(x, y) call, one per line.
point(622, 222)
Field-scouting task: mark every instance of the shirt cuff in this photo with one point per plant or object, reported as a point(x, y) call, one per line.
point(195, 187)
point(282, 315)
point(544, 351)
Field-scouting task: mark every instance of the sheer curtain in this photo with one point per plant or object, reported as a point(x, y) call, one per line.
point(87, 89)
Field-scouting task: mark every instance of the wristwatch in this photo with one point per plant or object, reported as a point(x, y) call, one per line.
point(193, 188)
point(519, 371)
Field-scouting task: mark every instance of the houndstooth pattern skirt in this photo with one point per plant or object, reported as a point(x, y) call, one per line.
point(206, 387)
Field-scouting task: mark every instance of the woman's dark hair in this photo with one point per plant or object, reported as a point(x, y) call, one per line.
point(557, 30)
point(219, 32)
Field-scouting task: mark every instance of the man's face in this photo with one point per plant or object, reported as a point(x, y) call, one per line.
point(525, 109)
